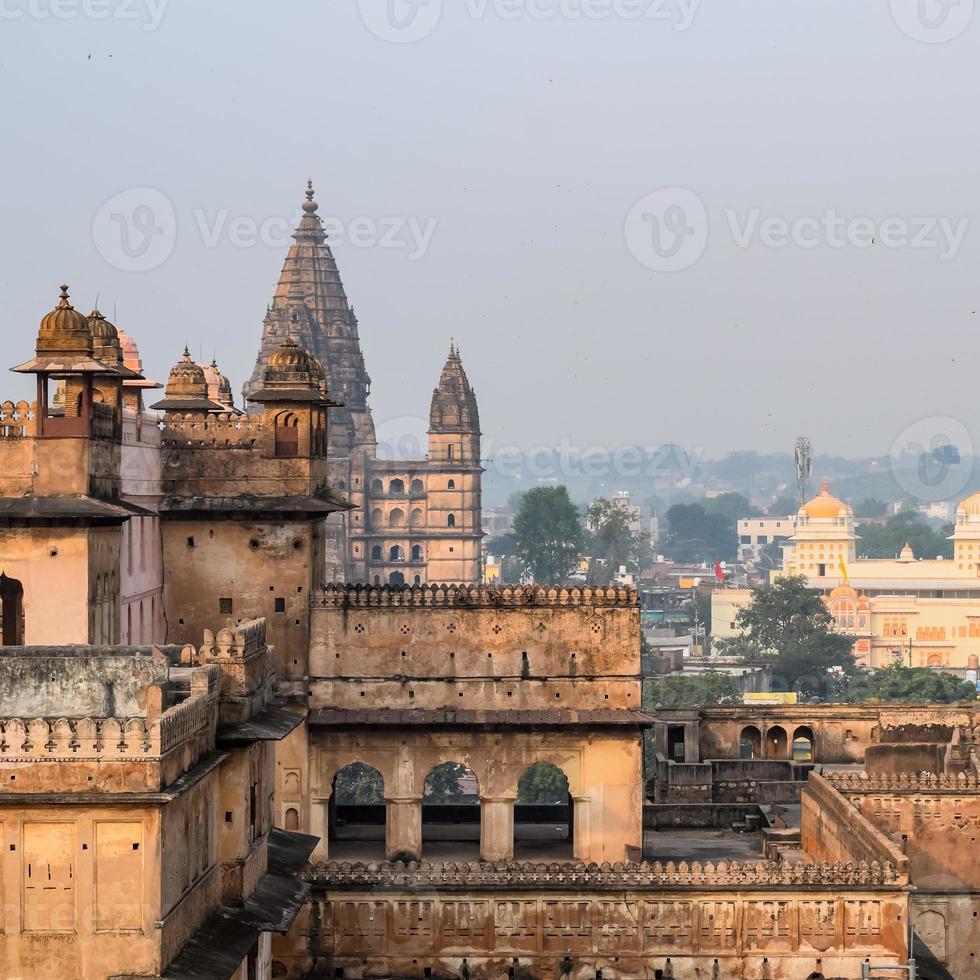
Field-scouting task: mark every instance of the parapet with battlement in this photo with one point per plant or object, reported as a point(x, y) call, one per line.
point(470, 597)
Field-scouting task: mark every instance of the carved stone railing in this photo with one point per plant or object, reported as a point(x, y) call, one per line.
point(339, 596)
point(217, 429)
point(240, 643)
point(509, 874)
point(195, 718)
point(863, 782)
point(17, 420)
point(78, 738)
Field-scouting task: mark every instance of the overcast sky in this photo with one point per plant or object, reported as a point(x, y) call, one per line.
point(642, 220)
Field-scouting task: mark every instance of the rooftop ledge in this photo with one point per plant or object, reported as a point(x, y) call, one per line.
point(511, 875)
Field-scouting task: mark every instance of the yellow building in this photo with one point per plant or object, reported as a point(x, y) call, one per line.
point(911, 609)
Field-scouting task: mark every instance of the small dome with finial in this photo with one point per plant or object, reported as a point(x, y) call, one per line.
point(106, 346)
point(64, 330)
point(187, 388)
point(292, 374)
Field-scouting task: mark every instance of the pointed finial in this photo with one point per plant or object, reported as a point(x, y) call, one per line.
point(63, 302)
point(825, 487)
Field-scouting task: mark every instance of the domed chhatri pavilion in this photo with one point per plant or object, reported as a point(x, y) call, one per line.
point(916, 609)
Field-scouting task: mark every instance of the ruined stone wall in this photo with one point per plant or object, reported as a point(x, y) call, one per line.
point(475, 648)
point(727, 921)
point(254, 569)
point(79, 894)
point(833, 829)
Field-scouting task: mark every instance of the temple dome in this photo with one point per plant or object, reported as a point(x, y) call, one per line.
point(824, 505)
point(105, 340)
point(970, 506)
point(187, 388)
point(292, 366)
point(64, 330)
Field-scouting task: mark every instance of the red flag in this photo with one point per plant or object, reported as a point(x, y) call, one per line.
point(719, 572)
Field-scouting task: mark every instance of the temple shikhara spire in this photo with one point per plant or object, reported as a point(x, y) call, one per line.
point(375, 541)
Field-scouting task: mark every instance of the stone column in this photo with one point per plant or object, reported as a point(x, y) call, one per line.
point(403, 838)
point(582, 834)
point(497, 828)
point(320, 827)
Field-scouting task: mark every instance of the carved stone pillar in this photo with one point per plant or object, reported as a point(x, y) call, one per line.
point(497, 828)
point(403, 838)
point(320, 827)
point(582, 833)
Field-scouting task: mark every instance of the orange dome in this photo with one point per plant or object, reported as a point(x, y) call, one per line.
point(970, 506)
point(824, 505)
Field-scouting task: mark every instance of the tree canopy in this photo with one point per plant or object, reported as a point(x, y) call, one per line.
point(543, 784)
point(612, 538)
point(548, 534)
point(691, 690)
point(871, 507)
point(695, 535)
point(887, 540)
point(912, 685)
point(789, 624)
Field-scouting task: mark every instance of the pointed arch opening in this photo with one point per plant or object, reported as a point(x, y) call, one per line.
point(451, 813)
point(358, 814)
point(543, 815)
point(287, 434)
point(803, 744)
point(777, 744)
point(750, 743)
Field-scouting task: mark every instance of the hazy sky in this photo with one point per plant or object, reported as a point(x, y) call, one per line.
point(526, 176)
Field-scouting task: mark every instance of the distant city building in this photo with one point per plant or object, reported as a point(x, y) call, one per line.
point(916, 610)
point(757, 533)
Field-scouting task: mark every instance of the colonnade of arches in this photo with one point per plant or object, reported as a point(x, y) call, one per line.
point(452, 820)
point(776, 744)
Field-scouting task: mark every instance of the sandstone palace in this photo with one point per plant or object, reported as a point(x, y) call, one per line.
point(258, 718)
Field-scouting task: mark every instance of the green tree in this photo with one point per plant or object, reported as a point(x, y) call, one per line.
point(611, 537)
point(912, 685)
point(359, 784)
point(691, 690)
point(871, 507)
point(442, 784)
point(887, 540)
point(731, 506)
point(784, 506)
point(694, 535)
point(543, 784)
point(548, 534)
point(501, 545)
point(790, 625)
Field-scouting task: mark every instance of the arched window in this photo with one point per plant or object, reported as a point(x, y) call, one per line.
point(418, 579)
point(451, 811)
point(416, 518)
point(396, 518)
point(287, 435)
point(451, 485)
point(376, 553)
point(417, 487)
point(776, 743)
point(452, 520)
point(377, 487)
point(377, 518)
point(396, 553)
point(12, 611)
point(803, 744)
point(396, 486)
point(543, 817)
point(416, 552)
point(750, 743)
point(292, 819)
point(397, 579)
point(357, 813)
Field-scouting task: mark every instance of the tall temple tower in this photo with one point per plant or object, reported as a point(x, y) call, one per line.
point(412, 521)
point(310, 307)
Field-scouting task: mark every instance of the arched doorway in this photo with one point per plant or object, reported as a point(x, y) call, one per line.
point(12, 611)
point(803, 744)
point(543, 815)
point(776, 743)
point(358, 814)
point(396, 578)
point(750, 743)
point(451, 813)
point(287, 435)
